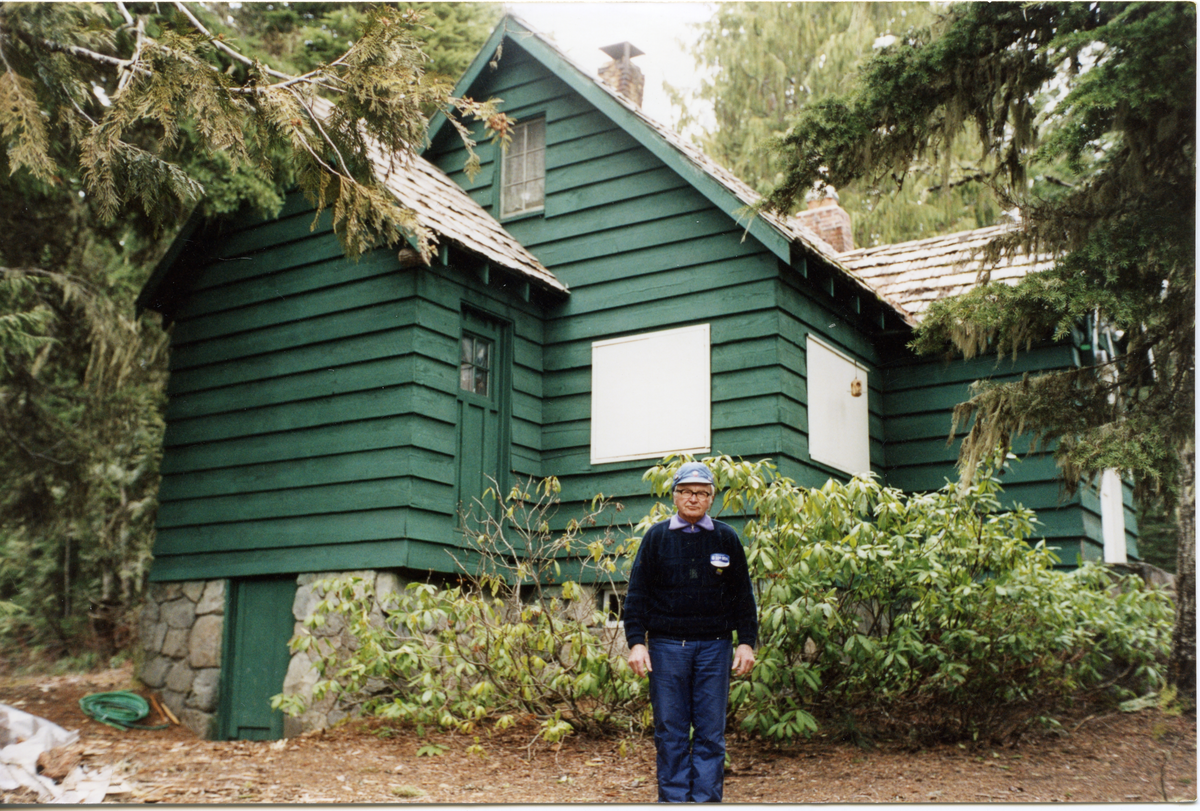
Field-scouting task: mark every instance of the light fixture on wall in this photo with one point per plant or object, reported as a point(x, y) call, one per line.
point(856, 384)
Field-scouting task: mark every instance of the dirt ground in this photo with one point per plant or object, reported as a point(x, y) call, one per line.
point(1104, 756)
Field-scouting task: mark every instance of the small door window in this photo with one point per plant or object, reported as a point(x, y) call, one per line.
point(475, 365)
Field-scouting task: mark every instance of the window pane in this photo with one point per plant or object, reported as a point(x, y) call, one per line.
point(483, 351)
point(536, 131)
point(466, 377)
point(512, 200)
point(524, 169)
point(481, 382)
point(514, 170)
point(465, 355)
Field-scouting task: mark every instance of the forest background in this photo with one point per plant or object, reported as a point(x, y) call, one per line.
point(82, 376)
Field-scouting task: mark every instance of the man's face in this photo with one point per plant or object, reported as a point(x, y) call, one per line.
point(692, 501)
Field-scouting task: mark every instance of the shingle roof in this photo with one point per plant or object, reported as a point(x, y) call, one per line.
point(907, 276)
point(915, 274)
point(443, 207)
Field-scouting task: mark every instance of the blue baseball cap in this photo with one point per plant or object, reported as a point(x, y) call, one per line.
point(693, 473)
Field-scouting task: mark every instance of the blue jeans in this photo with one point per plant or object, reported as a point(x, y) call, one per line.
point(689, 690)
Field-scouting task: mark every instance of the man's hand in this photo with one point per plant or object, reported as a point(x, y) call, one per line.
point(639, 660)
point(743, 660)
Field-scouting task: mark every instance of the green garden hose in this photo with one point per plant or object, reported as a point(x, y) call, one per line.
point(121, 710)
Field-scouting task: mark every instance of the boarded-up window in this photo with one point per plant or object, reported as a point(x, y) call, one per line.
point(1112, 516)
point(651, 395)
point(838, 416)
point(523, 172)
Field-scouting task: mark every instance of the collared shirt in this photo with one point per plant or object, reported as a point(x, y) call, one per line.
point(704, 523)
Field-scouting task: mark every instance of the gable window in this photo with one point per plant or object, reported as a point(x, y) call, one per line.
point(523, 169)
point(475, 365)
point(838, 416)
point(651, 395)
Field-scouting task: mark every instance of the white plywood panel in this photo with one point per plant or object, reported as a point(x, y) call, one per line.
point(838, 421)
point(651, 395)
point(1112, 516)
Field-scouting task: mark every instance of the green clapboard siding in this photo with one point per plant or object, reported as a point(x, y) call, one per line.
point(644, 250)
point(312, 408)
point(918, 398)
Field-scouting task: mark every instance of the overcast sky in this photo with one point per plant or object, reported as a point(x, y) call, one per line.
point(660, 30)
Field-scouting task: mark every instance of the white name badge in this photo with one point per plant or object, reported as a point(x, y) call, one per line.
point(719, 560)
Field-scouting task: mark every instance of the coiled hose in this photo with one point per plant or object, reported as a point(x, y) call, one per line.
point(121, 710)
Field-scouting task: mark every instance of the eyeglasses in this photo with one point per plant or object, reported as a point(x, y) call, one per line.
point(688, 495)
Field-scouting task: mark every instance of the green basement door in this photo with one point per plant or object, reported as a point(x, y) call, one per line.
point(259, 624)
point(483, 393)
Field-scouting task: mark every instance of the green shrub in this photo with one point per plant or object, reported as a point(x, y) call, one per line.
point(505, 643)
point(928, 614)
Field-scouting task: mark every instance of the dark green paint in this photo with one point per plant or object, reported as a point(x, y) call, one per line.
point(258, 625)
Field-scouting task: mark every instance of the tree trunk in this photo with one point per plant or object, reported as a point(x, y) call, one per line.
point(1181, 670)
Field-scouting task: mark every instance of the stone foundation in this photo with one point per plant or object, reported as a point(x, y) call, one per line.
point(181, 631)
point(302, 674)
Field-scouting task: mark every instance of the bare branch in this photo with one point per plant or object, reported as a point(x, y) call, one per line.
point(85, 53)
point(324, 135)
point(128, 73)
point(220, 44)
point(125, 13)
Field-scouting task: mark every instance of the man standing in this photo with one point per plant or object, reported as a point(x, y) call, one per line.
point(689, 590)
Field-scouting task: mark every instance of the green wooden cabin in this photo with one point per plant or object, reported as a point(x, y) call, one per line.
point(600, 299)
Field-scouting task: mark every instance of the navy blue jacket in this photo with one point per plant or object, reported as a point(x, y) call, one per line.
point(677, 590)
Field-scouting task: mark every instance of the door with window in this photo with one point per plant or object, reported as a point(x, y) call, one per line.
point(483, 407)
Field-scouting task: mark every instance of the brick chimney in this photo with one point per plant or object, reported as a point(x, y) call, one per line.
point(621, 74)
point(828, 219)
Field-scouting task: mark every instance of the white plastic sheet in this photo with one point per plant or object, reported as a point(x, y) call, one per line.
point(28, 736)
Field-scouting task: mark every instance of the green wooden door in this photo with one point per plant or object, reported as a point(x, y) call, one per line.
point(259, 624)
point(483, 406)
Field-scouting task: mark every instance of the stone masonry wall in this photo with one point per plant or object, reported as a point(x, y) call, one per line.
point(181, 632)
point(182, 627)
point(302, 674)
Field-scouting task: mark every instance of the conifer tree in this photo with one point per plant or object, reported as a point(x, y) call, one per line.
point(115, 121)
point(1107, 91)
point(118, 96)
point(762, 62)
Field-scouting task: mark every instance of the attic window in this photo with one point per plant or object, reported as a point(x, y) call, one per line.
point(523, 169)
